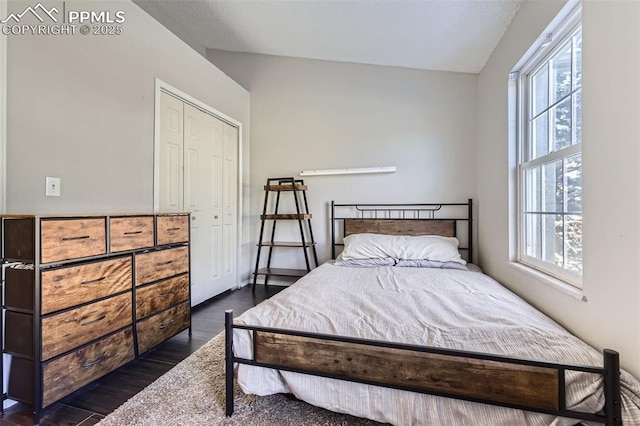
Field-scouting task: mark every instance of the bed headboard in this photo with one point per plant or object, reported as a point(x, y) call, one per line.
point(445, 219)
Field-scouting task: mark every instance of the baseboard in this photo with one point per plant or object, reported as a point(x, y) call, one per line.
point(212, 299)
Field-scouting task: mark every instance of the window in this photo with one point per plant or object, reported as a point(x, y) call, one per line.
point(550, 157)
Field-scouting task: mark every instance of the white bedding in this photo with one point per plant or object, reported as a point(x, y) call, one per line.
point(435, 307)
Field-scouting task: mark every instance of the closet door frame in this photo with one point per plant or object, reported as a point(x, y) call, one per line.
point(161, 86)
point(3, 114)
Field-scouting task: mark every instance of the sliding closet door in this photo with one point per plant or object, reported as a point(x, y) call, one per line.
point(171, 151)
point(209, 191)
point(230, 201)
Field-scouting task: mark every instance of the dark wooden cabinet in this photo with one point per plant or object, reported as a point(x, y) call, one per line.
point(84, 295)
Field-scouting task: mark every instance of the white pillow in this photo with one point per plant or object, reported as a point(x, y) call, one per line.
point(403, 247)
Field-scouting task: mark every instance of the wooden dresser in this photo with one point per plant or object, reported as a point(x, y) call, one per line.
point(83, 295)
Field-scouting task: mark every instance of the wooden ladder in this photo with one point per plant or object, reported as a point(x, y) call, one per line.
point(296, 187)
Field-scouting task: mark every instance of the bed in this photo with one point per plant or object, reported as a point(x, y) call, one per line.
point(427, 343)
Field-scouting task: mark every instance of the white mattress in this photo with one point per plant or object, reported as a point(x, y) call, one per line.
point(444, 308)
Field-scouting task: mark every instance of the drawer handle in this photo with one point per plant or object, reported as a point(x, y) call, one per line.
point(84, 237)
point(165, 263)
point(97, 280)
point(166, 325)
point(173, 229)
point(96, 361)
point(84, 324)
point(132, 232)
point(164, 294)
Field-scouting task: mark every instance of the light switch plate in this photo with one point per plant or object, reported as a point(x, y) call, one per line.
point(52, 186)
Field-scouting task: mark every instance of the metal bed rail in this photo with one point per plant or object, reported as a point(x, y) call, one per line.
point(610, 371)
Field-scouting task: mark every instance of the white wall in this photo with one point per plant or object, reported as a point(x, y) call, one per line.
point(82, 108)
point(311, 114)
point(611, 113)
point(150, 6)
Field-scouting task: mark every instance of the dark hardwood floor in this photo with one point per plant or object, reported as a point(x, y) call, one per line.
point(90, 404)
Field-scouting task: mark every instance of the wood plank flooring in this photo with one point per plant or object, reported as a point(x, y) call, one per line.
point(90, 404)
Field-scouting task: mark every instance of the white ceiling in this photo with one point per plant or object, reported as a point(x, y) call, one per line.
point(447, 35)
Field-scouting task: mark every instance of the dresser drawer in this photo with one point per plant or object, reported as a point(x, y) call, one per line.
point(21, 380)
point(158, 328)
point(66, 287)
point(72, 371)
point(172, 229)
point(157, 265)
point(18, 238)
point(64, 239)
point(19, 288)
point(18, 338)
point(130, 233)
point(160, 296)
point(67, 330)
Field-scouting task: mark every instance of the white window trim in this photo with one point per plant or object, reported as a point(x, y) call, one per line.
point(562, 25)
point(552, 271)
point(556, 283)
point(552, 156)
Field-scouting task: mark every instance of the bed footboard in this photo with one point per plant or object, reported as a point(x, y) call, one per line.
point(471, 376)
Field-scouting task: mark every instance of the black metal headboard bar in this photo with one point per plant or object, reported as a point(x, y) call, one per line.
point(403, 209)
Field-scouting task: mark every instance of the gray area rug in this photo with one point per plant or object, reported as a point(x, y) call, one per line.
point(192, 393)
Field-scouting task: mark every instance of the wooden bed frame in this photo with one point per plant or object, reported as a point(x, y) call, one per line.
point(490, 379)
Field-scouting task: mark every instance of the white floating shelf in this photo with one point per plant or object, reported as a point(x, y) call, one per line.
point(358, 171)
